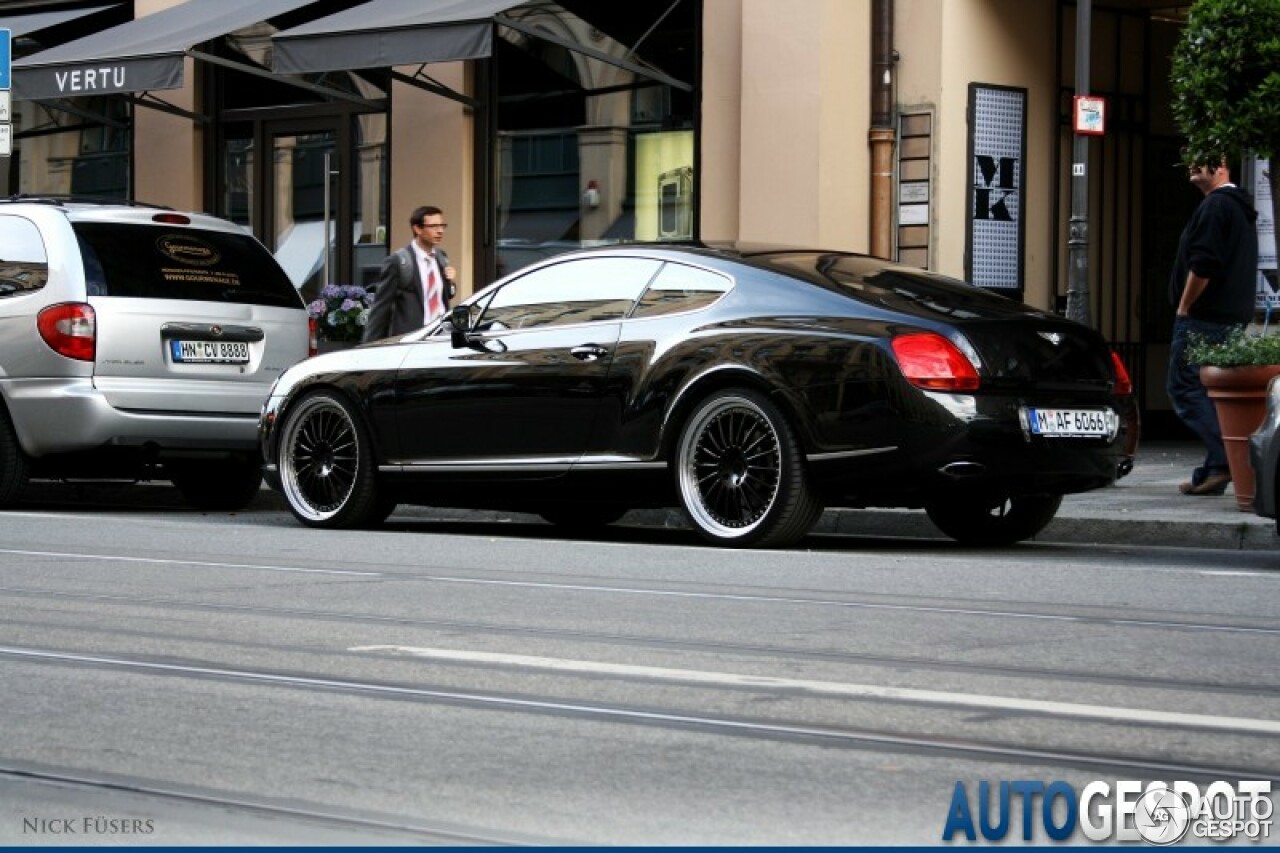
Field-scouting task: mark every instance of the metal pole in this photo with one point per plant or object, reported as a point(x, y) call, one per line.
point(327, 239)
point(1078, 227)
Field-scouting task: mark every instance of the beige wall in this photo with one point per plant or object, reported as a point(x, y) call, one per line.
point(433, 161)
point(720, 167)
point(785, 115)
point(168, 149)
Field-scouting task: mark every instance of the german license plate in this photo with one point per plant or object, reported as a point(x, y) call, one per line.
point(218, 352)
point(1072, 423)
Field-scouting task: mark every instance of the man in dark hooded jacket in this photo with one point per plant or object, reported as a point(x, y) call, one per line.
point(1213, 290)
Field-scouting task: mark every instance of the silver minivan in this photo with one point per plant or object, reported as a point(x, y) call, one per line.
point(138, 343)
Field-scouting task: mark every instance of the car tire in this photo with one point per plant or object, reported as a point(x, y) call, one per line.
point(583, 517)
point(740, 474)
point(222, 486)
point(326, 465)
point(974, 521)
point(13, 462)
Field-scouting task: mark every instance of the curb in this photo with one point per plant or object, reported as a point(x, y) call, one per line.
point(1258, 535)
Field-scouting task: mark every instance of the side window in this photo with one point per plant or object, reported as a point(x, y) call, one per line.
point(680, 288)
point(586, 290)
point(24, 266)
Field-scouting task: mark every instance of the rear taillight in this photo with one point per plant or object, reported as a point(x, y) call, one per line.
point(313, 340)
point(1124, 385)
point(932, 362)
point(70, 329)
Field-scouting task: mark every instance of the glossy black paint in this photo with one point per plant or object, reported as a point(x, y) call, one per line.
point(589, 412)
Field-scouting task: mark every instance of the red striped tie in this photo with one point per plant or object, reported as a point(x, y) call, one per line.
point(435, 305)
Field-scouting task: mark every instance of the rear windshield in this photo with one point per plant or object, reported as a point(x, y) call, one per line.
point(898, 288)
point(171, 263)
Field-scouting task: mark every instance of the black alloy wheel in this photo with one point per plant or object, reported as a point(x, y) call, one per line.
point(326, 465)
point(582, 517)
point(740, 475)
point(13, 462)
point(974, 520)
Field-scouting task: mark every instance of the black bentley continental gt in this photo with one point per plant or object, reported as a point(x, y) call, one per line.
point(750, 386)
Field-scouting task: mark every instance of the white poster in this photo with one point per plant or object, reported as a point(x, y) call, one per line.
point(1268, 287)
point(997, 147)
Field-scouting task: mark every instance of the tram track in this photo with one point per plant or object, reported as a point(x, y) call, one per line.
point(662, 644)
point(720, 724)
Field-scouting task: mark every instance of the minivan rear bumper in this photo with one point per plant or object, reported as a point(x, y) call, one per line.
point(65, 415)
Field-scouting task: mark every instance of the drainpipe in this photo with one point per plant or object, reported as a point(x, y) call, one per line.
point(882, 135)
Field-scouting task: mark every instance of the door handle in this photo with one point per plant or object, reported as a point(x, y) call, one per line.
point(589, 352)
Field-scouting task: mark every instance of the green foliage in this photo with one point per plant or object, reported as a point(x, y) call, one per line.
point(1226, 79)
point(1241, 348)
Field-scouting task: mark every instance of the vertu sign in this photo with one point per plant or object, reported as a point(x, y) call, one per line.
point(38, 82)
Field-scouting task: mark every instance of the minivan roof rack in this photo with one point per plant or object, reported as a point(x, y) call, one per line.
point(59, 200)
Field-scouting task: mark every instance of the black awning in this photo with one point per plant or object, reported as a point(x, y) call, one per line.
point(21, 25)
point(140, 55)
point(385, 33)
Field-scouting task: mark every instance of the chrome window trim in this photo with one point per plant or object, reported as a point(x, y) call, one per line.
point(480, 465)
point(849, 454)
point(603, 462)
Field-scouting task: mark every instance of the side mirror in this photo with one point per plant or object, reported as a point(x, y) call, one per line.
point(459, 325)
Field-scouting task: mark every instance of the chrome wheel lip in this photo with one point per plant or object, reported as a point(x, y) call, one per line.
point(319, 459)
point(726, 443)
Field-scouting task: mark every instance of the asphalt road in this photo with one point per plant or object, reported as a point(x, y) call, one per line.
point(172, 677)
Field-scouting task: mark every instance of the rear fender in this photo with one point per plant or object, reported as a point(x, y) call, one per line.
point(699, 387)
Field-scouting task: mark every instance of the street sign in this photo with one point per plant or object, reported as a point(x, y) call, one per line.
point(1090, 114)
point(6, 57)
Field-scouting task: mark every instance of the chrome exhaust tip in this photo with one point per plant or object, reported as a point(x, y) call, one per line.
point(960, 470)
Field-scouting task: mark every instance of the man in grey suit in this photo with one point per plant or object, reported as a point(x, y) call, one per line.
point(415, 283)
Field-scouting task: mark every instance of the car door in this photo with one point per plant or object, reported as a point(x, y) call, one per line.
point(526, 389)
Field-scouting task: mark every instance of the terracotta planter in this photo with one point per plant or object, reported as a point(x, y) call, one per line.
point(1240, 396)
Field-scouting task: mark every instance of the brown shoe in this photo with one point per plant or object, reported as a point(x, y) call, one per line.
point(1214, 484)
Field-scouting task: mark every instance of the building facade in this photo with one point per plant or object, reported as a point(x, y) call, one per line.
point(936, 132)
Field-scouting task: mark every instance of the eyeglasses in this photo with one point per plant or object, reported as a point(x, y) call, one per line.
point(440, 225)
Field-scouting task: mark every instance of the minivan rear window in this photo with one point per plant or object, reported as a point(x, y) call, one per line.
point(150, 262)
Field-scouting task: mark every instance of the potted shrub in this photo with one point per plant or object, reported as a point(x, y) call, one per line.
point(1235, 372)
point(341, 313)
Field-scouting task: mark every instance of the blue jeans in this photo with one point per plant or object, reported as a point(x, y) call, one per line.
point(1190, 401)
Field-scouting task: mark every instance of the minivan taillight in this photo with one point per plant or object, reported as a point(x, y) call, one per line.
point(1124, 385)
point(932, 362)
point(313, 339)
point(70, 329)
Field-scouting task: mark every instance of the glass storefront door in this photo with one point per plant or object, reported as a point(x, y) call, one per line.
point(304, 222)
point(314, 191)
